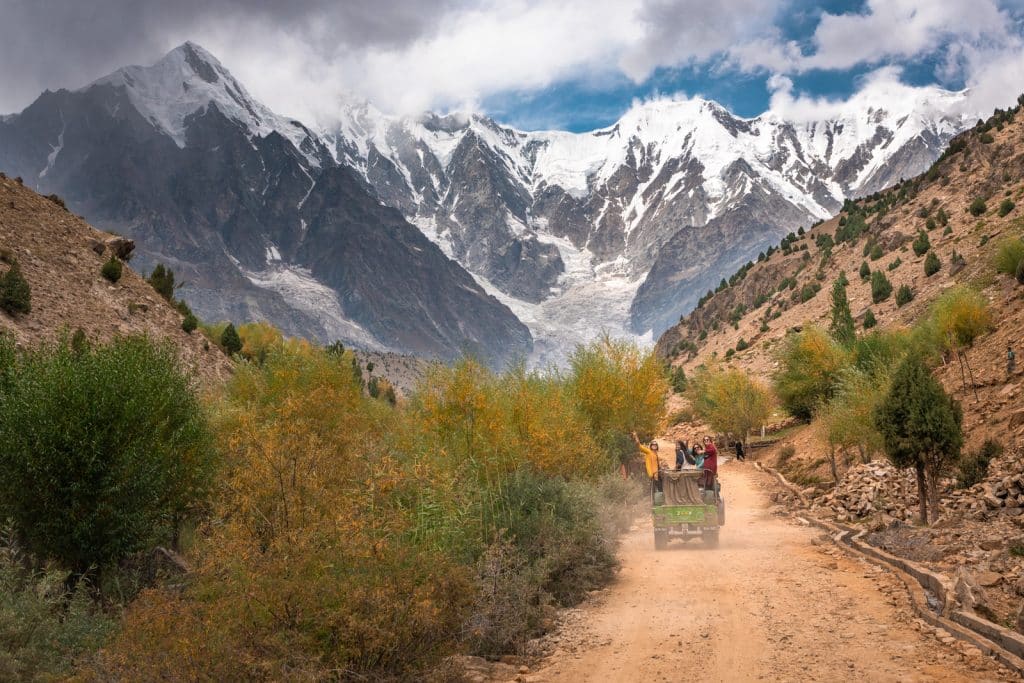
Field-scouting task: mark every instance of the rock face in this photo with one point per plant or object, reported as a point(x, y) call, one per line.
point(619, 229)
point(251, 211)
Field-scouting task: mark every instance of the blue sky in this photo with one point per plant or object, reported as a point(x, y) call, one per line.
point(585, 104)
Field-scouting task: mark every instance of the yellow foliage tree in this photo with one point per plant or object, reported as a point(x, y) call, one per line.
point(847, 421)
point(809, 368)
point(958, 317)
point(730, 400)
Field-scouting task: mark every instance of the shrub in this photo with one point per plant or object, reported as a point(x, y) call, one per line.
point(1020, 272)
point(189, 323)
point(972, 467)
point(904, 295)
point(1008, 255)
point(869, 320)
point(986, 138)
point(921, 243)
point(841, 327)
point(977, 207)
point(930, 224)
point(931, 264)
point(112, 269)
point(44, 629)
point(1005, 207)
point(742, 345)
point(809, 366)
point(124, 419)
point(15, 293)
point(948, 231)
point(786, 454)
point(230, 341)
point(865, 270)
point(877, 252)
point(809, 291)
point(881, 288)
point(894, 264)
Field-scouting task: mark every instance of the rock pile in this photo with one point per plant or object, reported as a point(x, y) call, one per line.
point(1002, 489)
point(869, 489)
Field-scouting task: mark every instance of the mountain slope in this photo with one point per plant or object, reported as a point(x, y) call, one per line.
point(60, 256)
point(767, 301)
point(252, 211)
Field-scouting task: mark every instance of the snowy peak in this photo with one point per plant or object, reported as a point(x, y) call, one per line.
point(187, 80)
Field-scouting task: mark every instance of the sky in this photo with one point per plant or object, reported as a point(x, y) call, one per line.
point(535, 64)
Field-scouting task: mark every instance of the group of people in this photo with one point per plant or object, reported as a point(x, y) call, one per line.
point(699, 457)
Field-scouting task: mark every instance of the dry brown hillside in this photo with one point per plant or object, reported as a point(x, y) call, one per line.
point(60, 256)
point(761, 306)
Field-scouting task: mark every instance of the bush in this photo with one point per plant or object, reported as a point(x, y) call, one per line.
point(677, 378)
point(809, 291)
point(15, 293)
point(189, 323)
point(932, 264)
point(742, 345)
point(44, 629)
point(876, 252)
point(894, 264)
point(881, 288)
point(904, 295)
point(1008, 255)
point(1020, 272)
point(1005, 207)
point(972, 467)
point(124, 419)
point(977, 207)
point(869, 320)
point(230, 341)
point(921, 243)
point(865, 270)
point(112, 269)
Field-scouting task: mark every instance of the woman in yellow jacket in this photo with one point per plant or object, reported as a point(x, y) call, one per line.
point(651, 463)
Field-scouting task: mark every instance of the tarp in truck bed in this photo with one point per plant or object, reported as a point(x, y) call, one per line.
point(680, 487)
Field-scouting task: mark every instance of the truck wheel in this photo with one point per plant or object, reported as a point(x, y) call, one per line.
point(710, 537)
point(660, 539)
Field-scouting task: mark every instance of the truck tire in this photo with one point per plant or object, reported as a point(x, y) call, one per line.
point(660, 539)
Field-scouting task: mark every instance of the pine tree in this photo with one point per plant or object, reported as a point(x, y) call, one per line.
point(869, 320)
point(162, 280)
point(842, 329)
point(865, 270)
point(921, 427)
point(230, 341)
point(15, 294)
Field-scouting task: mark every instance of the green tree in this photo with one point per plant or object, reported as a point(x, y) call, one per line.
point(677, 378)
point(865, 270)
point(904, 295)
point(881, 288)
point(932, 264)
point(730, 401)
point(230, 341)
point(869, 320)
point(189, 323)
point(15, 293)
point(921, 243)
point(162, 280)
point(105, 450)
point(921, 428)
point(841, 329)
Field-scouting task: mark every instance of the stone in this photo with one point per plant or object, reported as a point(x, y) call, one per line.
point(991, 544)
point(988, 579)
point(122, 247)
point(1017, 419)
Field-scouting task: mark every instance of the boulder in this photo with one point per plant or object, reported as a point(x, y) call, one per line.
point(121, 247)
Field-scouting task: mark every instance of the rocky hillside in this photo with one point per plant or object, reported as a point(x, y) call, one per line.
point(966, 204)
point(252, 212)
point(60, 255)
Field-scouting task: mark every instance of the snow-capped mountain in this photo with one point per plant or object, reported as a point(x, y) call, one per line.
point(569, 226)
point(251, 211)
point(619, 229)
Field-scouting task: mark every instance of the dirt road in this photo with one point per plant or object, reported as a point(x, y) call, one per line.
point(772, 603)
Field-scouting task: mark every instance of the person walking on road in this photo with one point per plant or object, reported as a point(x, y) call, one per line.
point(740, 454)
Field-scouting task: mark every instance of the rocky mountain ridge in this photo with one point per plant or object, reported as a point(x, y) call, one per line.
point(565, 235)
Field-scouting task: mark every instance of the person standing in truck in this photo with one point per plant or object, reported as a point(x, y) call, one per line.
point(710, 462)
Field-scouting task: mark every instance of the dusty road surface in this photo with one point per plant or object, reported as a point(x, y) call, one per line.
point(771, 603)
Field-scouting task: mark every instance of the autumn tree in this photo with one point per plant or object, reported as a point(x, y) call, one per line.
point(920, 427)
point(730, 401)
point(810, 363)
point(958, 318)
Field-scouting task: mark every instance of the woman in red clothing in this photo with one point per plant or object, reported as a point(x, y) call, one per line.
point(710, 462)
